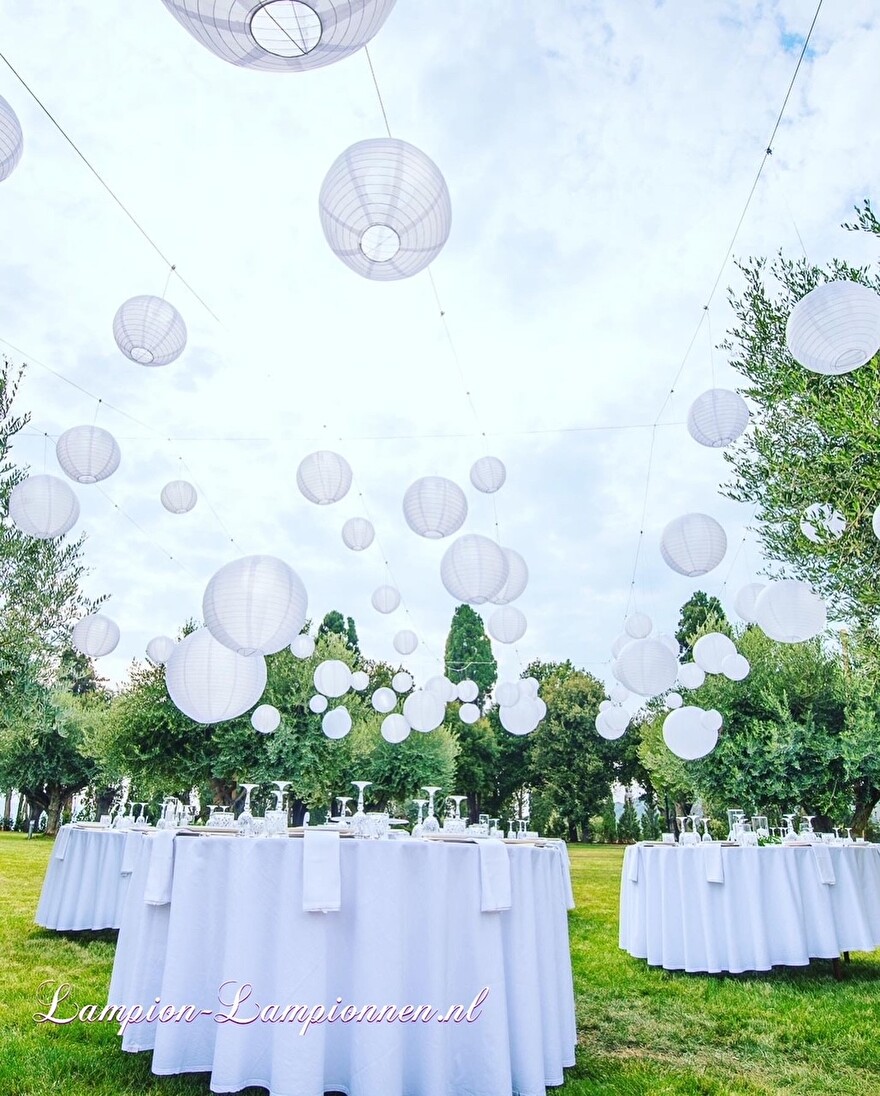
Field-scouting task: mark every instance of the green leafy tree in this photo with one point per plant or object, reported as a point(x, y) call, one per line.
point(649, 823)
point(469, 653)
point(628, 823)
point(609, 820)
point(696, 613)
point(334, 623)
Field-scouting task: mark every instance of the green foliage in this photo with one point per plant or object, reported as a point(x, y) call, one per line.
point(334, 623)
point(469, 653)
point(649, 823)
point(694, 620)
point(628, 823)
point(609, 820)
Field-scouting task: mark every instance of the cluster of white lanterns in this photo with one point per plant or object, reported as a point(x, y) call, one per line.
point(520, 709)
point(786, 610)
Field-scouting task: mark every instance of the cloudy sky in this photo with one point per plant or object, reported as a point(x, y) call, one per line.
point(598, 156)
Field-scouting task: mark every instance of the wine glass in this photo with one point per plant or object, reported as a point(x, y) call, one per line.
point(417, 828)
point(246, 819)
point(706, 835)
point(343, 801)
point(511, 831)
point(359, 822)
point(789, 827)
point(276, 820)
point(430, 825)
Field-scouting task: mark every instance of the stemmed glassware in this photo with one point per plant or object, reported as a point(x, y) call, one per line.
point(495, 827)
point(705, 821)
point(430, 825)
point(359, 823)
point(343, 801)
point(455, 823)
point(141, 820)
point(417, 828)
point(246, 819)
point(276, 820)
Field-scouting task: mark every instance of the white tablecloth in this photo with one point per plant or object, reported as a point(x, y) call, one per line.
point(85, 884)
point(771, 907)
point(409, 931)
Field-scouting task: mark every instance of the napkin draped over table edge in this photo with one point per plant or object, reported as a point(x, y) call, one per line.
point(494, 876)
point(824, 867)
point(322, 877)
point(157, 891)
point(60, 847)
point(130, 851)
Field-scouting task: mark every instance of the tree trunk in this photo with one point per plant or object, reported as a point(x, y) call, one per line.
point(56, 802)
point(223, 791)
point(867, 797)
point(296, 812)
point(473, 807)
point(104, 800)
point(572, 831)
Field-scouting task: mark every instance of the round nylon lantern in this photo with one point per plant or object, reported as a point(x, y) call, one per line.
point(638, 625)
point(691, 676)
point(507, 624)
point(712, 720)
point(790, 612)
point(442, 687)
point(405, 641)
point(179, 497)
point(385, 599)
point(43, 507)
point(385, 209)
point(434, 507)
point(336, 723)
point(711, 650)
point(266, 719)
point(605, 730)
point(474, 569)
point(617, 719)
point(693, 544)
point(95, 635)
point(469, 713)
point(744, 602)
point(87, 454)
point(522, 718)
point(507, 694)
point(281, 35)
point(686, 735)
point(358, 534)
point(717, 418)
point(302, 646)
point(735, 667)
point(159, 650)
point(605, 706)
point(835, 328)
point(395, 729)
point(149, 331)
point(647, 667)
point(424, 711)
point(360, 679)
point(402, 682)
point(822, 523)
point(256, 604)
point(209, 682)
point(318, 704)
point(332, 677)
point(673, 701)
point(488, 475)
point(517, 578)
point(11, 140)
point(467, 690)
point(384, 700)
point(324, 477)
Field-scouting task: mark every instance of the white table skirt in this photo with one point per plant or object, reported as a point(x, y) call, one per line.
point(409, 932)
point(772, 909)
point(84, 886)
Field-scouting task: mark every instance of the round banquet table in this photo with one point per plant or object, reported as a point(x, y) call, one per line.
point(723, 908)
point(409, 930)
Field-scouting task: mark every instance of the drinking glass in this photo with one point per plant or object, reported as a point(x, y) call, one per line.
point(760, 825)
point(417, 828)
point(706, 835)
point(246, 819)
point(495, 828)
point(483, 826)
point(343, 801)
point(359, 822)
point(430, 825)
point(276, 820)
point(734, 818)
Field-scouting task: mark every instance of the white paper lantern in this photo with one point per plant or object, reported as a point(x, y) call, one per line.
point(95, 635)
point(256, 604)
point(385, 599)
point(434, 507)
point(488, 475)
point(395, 729)
point(522, 718)
point(507, 693)
point(281, 35)
point(686, 735)
point(332, 677)
point(179, 497)
point(735, 667)
point(673, 701)
point(358, 534)
point(875, 523)
point(149, 331)
point(467, 690)
point(424, 711)
point(302, 646)
point(507, 624)
point(529, 686)
point(670, 642)
point(43, 507)
point(405, 641)
point(605, 706)
point(619, 643)
point(619, 693)
point(266, 719)
point(318, 704)
point(384, 700)
point(209, 682)
point(517, 578)
point(324, 477)
point(822, 524)
point(617, 719)
point(712, 720)
point(87, 454)
point(717, 418)
point(385, 209)
point(790, 612)
point(402, 682)
point(469, 713)
point(441, 687)
point(360, 679)
point(835, 328)
point(159, 650)
point(711, 650)
point(11, 140)
point(691, 676)
point(474, 569)
point(638, 625)
point(336, 723)
point(744, 602)
point(647, 667)
point(693, 544)
point(605, 730)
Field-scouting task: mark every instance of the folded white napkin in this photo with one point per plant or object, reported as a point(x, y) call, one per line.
point(61, 842)
point(635, 861)
point(130, 850)
point(494, 876)
point(157, 891)
point(322, 878)
point(824, 867)
point(712, 862)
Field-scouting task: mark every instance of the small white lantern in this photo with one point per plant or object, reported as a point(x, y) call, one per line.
point(712, 720)
point(790, 612)
point(95, 635)
point(686, 735)
point(605, 730)
point(647, 667)
point(522, 718)
point(149, 331)
point(43, 507)
point(619, 643)
point(405, 641)
point(673, 701)
point(395, 729)
point(434, 507)
point(336, 723)
point(384, 700)
point(488, 475)
point(469, 713)
point(638, 625)
point(256, 604)
point(474, 569)
point(318, 704)
point(324, 477)
point(87, 454)
point(711, 650)
point(529, 686)
point(822, 523)
point(209, 682)
point(735, 667)
point(441, 687)
point(302, 646)
point(159, 650)
point(424, 711)
point(266, 719)
point(360, 679)
point(517, 578)
point(835, 328)
point(385, 209)
point(385, 599)
point(402, 682)
point(332, 677)
point(358, 534)
point(744, 602)
point(619, 693)
point(467, 690)
point(507, 624)
point(717, 418)
point(693, 544)
point(11, 140)
point(179, 497)
point(691, 676)
point(507, 693)
point(605, 706)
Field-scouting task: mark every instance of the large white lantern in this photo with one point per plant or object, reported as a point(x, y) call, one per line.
point(424, 711)
point(385, 599)
point(711, 650)
point(395, 728)
point(318, 704)
point(87, 454)
point(179, 497)
point(822, 523)
point(474, 569)
point(159, 650)
point(302, 646)
point(507, 624)
point(617, 719)
point(255, 604)
point(606, 730)
point(691, 676)
point(686, 735)
point(835, 328)
point(673, 701)
point(402, 682)
point(717, 418)
point(149, 331)
point(265, 719)
point(744, 602)
point(735, 667)
point(95, 635)
point(11, 140)
point(324, 477)
point(693, 544)
point(669, 641)
point(332, 677)
point(209, 682)
point(43, 507)
point(638, 625)
point(790, 612)
point(358, 534)
point(384, 700)
point(507, 693)
point(441, 687)
point(281, 35)
point(647, 667)
point(488, 475)
point(469, 713)
point(434, 507)
point(523, 717)
point(405, 641)
point(336, 723)
point(467, 690)
point(385, 209)
point(517, 578)
point(360, 679)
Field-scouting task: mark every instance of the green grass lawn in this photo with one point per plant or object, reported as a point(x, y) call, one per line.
point(641, 1031)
